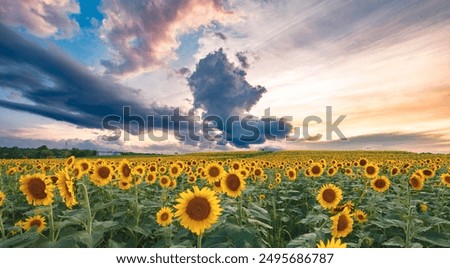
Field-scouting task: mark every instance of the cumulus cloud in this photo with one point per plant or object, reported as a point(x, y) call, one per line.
point(42, 18)
point(144, 33)
point(221, 89)
point(52, 85)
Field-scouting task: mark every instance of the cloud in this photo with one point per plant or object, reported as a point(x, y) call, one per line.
point(397, 141)
point(52, 85)
point(143, 34)
point(243, 60)
point(221, 89)
point(42, 18)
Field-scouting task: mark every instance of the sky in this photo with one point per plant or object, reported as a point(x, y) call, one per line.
point(360, 75)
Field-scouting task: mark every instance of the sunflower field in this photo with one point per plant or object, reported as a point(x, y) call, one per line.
point(239, 199)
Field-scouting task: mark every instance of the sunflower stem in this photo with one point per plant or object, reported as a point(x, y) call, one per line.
point(88, 209)
point(240, 210)
point(408, 221)
point(199, 240)
point(52, 223)
point(136, 200)
point(2, 228)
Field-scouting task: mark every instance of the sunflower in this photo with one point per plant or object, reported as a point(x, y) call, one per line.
point(198, 210)
point(164, 181)
point(394, 171)
point(125, 170)
point(416, 182)
point(233, 184)
point(422, 208)
point(332, 171)
point(333, 243)
point(236, 165)
point(342, 224)
point(360, 216)
point(380, 184)
point(38, 189)
point(192, 179)
point(291, 174)
point(362, 162)
point(258, 172)
point(102, 175)
point(175, 170)
point(65, 186)
point(138, 170)
point(370, 171)
point(124, 185)
point(37, 221)
point(164, 216)
point(329, 196)
point(445, 179)
point(150, 178)
point(428, 173)
point(262, 196)
point(84, 166)
point(214, 172)
point(70, 162)
point(2, 198)
point(315, 169)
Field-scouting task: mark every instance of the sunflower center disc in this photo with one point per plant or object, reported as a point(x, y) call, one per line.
point(447, 179)
point(37, 188)
point(380, 183)
point(35, 223)
point(233, 182)
point(370, 170)
point(164, 217)
point(214, 172)
point(414, 182)
point(329, 195)
point(103, 172)
point(198, 208)
point(315, 170)
point(174, 170)
point(342, 223)
point(126, 171)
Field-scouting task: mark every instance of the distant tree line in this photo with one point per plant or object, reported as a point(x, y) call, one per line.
point(43, 152)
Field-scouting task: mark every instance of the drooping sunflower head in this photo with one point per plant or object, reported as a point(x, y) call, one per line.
point(233, 184)
point(360, 216)
point(445, 179)
point(164, 216)
point(333, 243)
point(416, 182)
point(66, 188)
point(342, 224)
point(38, 189)
point(102, 175)
point(214, 172)
point(198, 210)
point(371, 170)
point(2, 198)
point(124, 185)
point(422, 207)
point(37, 221)
point(380, 184)
point(329, 196)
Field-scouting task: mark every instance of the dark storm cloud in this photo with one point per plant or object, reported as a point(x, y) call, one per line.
point(243, 60)
point(221, 89)
point(54, 86)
